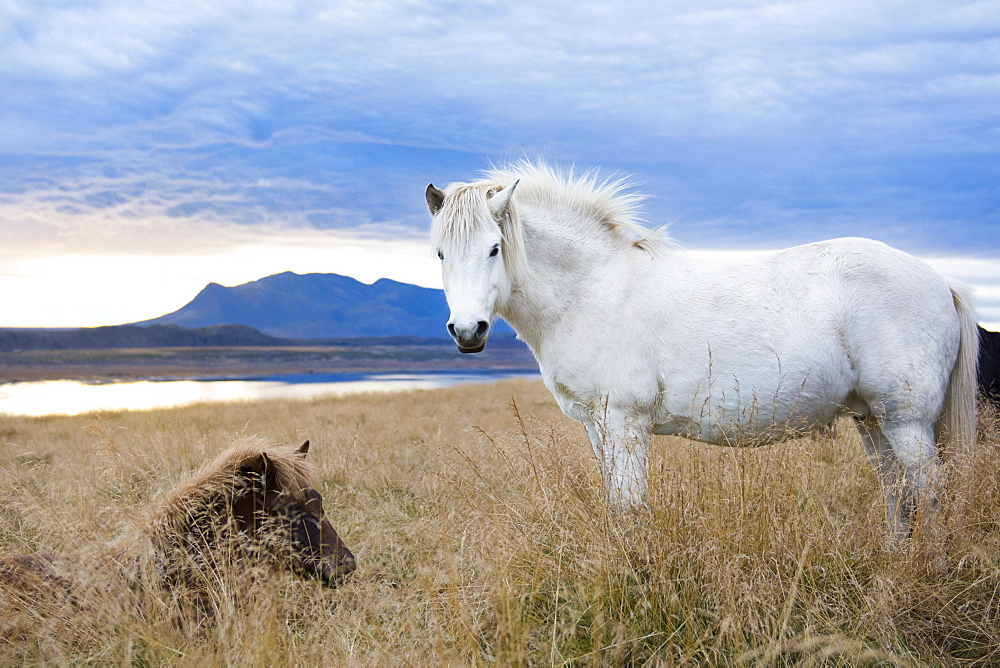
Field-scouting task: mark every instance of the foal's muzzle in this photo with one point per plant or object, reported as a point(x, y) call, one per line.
point(334, 575)
point(470, 338)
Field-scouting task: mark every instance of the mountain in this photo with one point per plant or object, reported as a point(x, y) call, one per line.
point(317, 306)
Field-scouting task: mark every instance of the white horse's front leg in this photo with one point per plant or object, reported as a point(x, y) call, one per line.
point(621, 444)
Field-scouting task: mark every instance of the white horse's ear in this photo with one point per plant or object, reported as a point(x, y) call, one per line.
point(501, 199)
point(435, 198)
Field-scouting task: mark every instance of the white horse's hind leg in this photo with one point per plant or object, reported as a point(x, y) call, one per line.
point(916, 451)
point(905, 457)
point(621, 445)
point(884, 461)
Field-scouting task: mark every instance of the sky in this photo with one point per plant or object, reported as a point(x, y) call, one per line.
point(149, 148)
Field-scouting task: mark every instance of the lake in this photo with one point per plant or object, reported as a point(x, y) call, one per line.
point(71, 397)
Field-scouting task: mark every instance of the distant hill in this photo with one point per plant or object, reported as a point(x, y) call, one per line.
point(133, 336)
point(317, 306)
point(280, 310)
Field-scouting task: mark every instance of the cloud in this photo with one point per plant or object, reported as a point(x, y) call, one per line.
point(414, 70)
point(982, 275)
point(153, 129)
point(175, 215)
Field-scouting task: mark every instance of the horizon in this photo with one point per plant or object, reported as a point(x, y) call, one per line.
point(147, 152)
point(941, 264)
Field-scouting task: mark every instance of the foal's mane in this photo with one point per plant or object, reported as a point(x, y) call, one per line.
point(235, 470)
point(606, 208)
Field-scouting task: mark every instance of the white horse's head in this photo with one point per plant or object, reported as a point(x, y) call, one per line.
point(471, 231)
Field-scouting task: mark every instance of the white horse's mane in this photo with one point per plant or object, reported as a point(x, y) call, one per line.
point(608, 208)
point(610, 203)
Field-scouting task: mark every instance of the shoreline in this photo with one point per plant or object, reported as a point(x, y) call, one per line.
point(161, 364)
point(74, 397)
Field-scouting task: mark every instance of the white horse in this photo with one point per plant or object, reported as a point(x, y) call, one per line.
point(632, 335)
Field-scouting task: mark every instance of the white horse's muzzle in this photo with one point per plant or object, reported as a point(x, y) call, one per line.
point(470, 337)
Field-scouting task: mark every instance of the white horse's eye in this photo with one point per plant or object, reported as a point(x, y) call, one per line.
point(494, 250)
point(440, 255)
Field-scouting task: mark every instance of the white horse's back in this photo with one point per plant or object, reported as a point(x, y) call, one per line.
point(750, 351)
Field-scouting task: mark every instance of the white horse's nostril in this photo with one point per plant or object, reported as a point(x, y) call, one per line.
point(470, 337)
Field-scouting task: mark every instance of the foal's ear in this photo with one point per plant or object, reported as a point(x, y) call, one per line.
point(303, 449)
point(435, 198)
point(270, 473)
point(500, 200)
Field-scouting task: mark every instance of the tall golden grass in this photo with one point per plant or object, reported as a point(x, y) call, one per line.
point(477, 518)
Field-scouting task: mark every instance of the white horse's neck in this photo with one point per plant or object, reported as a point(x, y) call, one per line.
point(561, 271)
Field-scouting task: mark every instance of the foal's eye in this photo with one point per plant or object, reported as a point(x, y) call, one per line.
point(495, 250)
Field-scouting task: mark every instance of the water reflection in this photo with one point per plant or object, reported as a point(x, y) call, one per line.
point(70, 397)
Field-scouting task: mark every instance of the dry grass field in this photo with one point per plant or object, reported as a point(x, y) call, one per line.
point(476, 515)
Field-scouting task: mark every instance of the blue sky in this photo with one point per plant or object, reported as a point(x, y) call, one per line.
point(148, 148)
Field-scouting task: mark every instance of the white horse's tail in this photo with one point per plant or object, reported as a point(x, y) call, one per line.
point(957, 424)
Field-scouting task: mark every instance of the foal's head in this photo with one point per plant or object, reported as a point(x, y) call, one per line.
point(285, 515)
